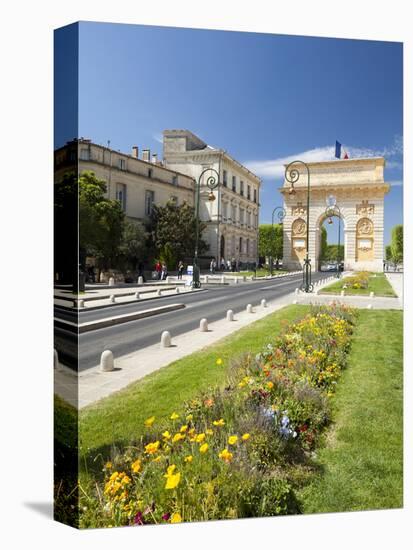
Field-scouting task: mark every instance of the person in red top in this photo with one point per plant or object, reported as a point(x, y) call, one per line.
point(158, 269)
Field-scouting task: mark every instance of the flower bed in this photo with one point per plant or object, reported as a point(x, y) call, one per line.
point(236, 451)
point(357, 281)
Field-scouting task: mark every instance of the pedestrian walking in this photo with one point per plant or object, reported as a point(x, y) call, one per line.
point(158, 269)
point(212, 265)
point(223, 264)
point(180, 269)
point(229, 265)
point(141, 272)
point(164, 272)
point(233, 265)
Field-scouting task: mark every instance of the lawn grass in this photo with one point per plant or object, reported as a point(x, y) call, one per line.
point(378, 284)
point(260, 272)
point(119, 418)
point(362, 460)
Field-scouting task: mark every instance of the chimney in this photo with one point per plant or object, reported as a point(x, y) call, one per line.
point(154, 158)
point(135, 152)
point(146, 155)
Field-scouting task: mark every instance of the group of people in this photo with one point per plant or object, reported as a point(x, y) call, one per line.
point(226, 265)
point(161, 270)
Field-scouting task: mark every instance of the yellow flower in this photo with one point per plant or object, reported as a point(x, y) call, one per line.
point(183, 428)
point(209, 431)
point(136, 466)
point(232, 439)
point(176, 518)
point(188, 458)
point(245, 437)
point(177, 437)
point(170, 470)
point(108, 465)
point(219, 361)
point(219, 422)
point(270, 385)
point(152, 448)
point(149, 421)
point(166, 435)
point(203, 448)
point(157, 459)
point(226, 455)
point(174, 416)
point(200, 438)
point(189, 417)
point(191, 431)
point(172, 481)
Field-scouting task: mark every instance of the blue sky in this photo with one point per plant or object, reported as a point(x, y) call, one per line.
point(264, 98)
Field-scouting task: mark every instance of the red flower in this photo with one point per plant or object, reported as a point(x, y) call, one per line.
point(139, 519)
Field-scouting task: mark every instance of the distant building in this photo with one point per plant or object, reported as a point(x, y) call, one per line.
point(140, 181)
point(232, 219)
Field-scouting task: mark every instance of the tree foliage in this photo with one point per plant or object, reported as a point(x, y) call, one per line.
point(323, 243)
point(172, 232)
point(101, 221)
point(397, 243)
point(132, 248)
point(334, 253)
point(271, 240)
point(389, 255)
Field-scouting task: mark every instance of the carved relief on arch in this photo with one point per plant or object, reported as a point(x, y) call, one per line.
point(364, 240)
point(365, 227)
point(298, 227)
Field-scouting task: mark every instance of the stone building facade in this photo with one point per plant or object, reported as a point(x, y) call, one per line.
point(358, 187)
point(137, 183)
point(232, 219)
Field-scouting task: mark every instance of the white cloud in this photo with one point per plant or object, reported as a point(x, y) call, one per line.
point(396, 183)
point(275, 168)
point(158, 137)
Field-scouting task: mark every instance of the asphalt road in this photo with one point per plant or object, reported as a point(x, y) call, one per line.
point(128, 337)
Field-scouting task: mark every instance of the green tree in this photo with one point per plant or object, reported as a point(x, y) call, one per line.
point(397, 243)
point(334, 253)
point(172, 232)
point(323, 244)
point(270, 241)
point(389, 256)
point(101, 222)
point(132, 248)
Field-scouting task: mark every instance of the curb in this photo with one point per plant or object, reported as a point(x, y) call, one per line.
point(116, 320)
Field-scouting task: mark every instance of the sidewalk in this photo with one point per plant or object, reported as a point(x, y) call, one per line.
point(396, 281)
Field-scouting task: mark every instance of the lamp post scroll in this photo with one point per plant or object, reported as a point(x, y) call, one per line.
point(212, 182)
point(292, 175)
point(281, 213)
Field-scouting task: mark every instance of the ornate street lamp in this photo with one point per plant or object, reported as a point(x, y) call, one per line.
point(280, 215)
point(292, 175)
point(212, 183)
point(334, 210)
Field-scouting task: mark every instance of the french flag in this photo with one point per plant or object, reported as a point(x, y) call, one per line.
point(339, 151)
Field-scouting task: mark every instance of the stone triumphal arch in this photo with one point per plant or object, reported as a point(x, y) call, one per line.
point(358, 188)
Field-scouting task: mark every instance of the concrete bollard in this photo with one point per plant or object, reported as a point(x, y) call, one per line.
point(106, 361)
point(177, 291)
point(263, 302)
point(369, 306)
point(55, 360)
point(140, 280)
point(112, 299)
point(230, 315)
point(342, 293)
point(137, 296)
point(249, 308)
point(168, 280)
point(297, 290)
point(203, 325)
point(223, 279)
point(236, 280)
point(166, 339)
point(159, 292)
point(80, 304)
point(371, 294)
point(295, 302)
point(111, 281)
